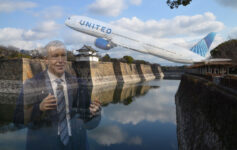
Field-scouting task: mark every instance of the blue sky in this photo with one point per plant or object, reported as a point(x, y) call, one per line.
point(31, 24)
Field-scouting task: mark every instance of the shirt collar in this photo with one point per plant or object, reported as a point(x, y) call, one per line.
point(52, 77)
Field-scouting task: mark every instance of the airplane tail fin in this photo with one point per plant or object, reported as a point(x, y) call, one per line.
point(202, 47)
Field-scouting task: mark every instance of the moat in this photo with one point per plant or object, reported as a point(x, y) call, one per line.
point(134, 116)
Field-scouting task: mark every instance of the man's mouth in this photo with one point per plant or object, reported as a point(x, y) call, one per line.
point(60, 67)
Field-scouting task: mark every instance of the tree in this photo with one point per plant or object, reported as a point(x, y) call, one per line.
point(70, 56)
point(177, 3)
point(106, 58)
point(227, 49)
point(128, 59)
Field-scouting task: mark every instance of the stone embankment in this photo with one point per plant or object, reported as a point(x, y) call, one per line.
point(206, 115)
point(98, 73)
point(14, 72)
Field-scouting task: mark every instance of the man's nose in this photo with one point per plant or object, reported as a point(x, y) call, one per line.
point(60, 58)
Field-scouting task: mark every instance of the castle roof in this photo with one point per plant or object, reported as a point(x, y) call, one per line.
point(86, 48)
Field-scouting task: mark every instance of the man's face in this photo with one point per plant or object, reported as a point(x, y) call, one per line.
point(56, 61)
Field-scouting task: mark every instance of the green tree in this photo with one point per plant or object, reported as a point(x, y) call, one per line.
point(106, 58)
point(227, 49)
point(70, 56)
point(128, 101)
point(177, 3)
point(128, 59)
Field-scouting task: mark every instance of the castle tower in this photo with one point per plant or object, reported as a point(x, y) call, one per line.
point(87, 53)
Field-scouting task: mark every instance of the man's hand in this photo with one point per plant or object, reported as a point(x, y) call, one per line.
point(95, 107)
point(48, 103)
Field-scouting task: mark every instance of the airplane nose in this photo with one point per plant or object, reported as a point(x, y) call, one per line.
point(66, 22)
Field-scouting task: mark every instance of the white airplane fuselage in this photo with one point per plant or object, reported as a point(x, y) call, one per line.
point(121, 37)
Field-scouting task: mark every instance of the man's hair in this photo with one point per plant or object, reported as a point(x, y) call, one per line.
point(53, 44)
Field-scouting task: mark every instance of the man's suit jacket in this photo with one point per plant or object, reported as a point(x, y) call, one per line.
point(43, 126)
point(37, 88)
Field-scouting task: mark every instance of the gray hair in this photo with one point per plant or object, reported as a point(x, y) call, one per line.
point(52, 44)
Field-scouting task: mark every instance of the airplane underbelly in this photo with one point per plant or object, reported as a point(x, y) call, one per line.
point(171, 56)
point(90, 32)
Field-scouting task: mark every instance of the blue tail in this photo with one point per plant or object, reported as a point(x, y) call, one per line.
point(202, 47)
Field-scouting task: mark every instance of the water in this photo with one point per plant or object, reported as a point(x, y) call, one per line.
point(135, 116)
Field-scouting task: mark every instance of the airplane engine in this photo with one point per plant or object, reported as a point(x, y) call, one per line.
point(104, 44)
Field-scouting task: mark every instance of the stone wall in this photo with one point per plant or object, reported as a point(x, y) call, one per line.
point(126, 73)
point(10, 79)
point(146, 72)
point(14, 72)
point(156, 69)
point(98, 73)
point(10, 69)
point(206, 115)
point(102, 73)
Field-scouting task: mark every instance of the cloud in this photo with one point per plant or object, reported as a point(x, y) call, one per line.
point(158, 107)
point(111, 7)
point(136, 2)
point(47, 26)
point(228, 3)
point(10, 6)
point(53, 12)
point(30, 38)
point(76, 40)
point(107, 7)
point(233, 33)
point(135, 140)
point(112, 134)
point(108, 135)
point(178, 26)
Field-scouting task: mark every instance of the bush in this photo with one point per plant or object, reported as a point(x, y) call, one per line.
point(106, 58)
point(128, 59)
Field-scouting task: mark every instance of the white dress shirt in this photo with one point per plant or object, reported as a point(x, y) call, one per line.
point(52, 78)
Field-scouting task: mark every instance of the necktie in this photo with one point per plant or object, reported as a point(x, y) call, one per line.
point(62, 121)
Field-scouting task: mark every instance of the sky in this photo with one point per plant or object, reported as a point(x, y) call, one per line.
point(32, 24)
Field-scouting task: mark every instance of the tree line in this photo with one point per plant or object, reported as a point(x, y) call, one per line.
point(125, 59)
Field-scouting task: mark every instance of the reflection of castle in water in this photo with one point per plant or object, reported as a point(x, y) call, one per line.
point(118, 93)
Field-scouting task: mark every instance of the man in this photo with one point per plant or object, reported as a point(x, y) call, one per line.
point(51, 101)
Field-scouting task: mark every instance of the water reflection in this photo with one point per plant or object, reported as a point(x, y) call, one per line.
point(109, 135)
point(141, 116)
point(134, 116)
point(119, 93)
point(155, 106)
point(7, 107)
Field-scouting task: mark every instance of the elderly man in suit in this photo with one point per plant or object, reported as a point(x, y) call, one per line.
point(59, 104)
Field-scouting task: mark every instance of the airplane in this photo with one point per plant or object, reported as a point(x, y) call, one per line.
point(109, 36)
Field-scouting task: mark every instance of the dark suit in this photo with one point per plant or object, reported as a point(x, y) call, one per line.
point(43, 126)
